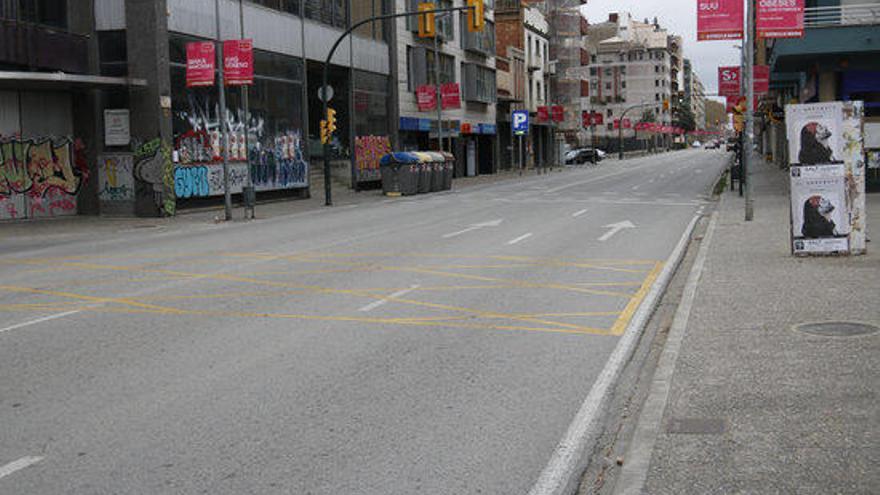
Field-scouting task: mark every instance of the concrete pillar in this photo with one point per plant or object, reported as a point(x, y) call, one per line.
point(827, 86)
point(147, 43)
point(86, 111)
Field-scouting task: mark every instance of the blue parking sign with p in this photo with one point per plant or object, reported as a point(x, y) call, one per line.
point(520, 119)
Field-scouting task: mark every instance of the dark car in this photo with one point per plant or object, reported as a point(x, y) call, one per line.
point(581, 156)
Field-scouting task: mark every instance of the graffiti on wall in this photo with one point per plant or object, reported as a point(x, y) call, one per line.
point(152, 165)
point(116, 177)
point(277, 160)
point(40, 177)
point(280, 165)
point(368, 151)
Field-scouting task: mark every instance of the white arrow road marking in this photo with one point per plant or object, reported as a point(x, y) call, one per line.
point(615, 228)
point(493, 223)
point(578, 213)
point(518, 239)
point(375, 304)
point(18, 465)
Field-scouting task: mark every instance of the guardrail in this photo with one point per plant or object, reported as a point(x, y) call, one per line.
point(842, 15)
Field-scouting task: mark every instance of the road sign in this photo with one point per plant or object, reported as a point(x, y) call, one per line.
point(325, 90)
point(520, 121)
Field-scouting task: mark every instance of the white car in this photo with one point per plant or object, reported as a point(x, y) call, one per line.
point(696, 144)
point(600, 153)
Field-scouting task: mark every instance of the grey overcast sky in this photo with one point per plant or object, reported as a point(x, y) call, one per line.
point(678, 17)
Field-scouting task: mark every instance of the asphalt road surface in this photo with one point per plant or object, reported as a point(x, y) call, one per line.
point(433, 344)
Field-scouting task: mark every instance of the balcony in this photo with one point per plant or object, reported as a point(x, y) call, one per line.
point(842, 15)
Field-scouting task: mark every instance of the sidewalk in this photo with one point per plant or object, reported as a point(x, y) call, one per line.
point(754, 406)
point(72, 227)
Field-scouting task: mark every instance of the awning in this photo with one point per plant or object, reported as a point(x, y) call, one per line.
point(63, 81)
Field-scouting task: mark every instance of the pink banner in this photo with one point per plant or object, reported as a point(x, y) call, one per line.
point(558, 112)
point(719, 20)
point(780, 18)
point(426, 97)
point(543, 114)
point(728, 81)
point(200, 57)
point(450, 95)
point(762, 79)
point(238, 62)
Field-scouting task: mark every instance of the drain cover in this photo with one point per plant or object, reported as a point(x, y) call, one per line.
point(837, 328)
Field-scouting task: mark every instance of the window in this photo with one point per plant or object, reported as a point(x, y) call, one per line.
point(623, 84)
point(421, 69)
point(607, 71)
point(289, 6)
point(610, 113)
point(480, 42)
point(47, 12)
point(609, 126)
point(593, 59)
point(478, 83)
point(608, 86)
point(593, 71)
point(364, 9)
point(656, 96)
point(656, 83)
point(331, 12)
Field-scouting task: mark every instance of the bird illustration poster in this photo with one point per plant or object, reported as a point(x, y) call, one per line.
point(815, 133)
point(820, 221)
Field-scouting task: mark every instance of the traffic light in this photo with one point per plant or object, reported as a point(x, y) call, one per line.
point(666, 104)
point(331, 123)
point(426, 20)
point(475, 16)
point(325, 138)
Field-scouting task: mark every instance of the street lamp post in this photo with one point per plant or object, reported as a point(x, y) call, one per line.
point(620, 127)
point(221, 118)
point(749, 123)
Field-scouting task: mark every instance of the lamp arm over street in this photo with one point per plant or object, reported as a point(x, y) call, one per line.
point(620, 127)
point(327, 194)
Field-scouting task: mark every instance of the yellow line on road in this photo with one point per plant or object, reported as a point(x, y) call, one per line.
point(626, 315)
point(71, 295)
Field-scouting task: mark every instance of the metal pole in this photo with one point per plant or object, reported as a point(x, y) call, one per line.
point(522, 164)
point(437, 87)
point(247, 118)
point(304, 125)
point(749, 123)
point(227, 194)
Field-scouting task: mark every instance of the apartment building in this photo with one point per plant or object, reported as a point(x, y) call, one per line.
point(523, 28)
point(694, 95)
point(632, 71)
point(465, 59)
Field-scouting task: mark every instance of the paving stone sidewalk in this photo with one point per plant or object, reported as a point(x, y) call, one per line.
point(756, 406)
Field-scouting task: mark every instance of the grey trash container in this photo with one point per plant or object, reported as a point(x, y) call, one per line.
point(393, 168)
point(438, 161)
point(424, 168)
point(448, 170)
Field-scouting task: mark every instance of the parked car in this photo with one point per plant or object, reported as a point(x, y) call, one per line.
point(601, 154)
point(713, 145)
point(696, 144)
point(582, 155)
point(732, 143)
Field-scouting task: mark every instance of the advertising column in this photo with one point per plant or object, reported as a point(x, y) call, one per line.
point(827, 178)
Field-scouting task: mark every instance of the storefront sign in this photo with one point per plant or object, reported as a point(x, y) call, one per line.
point(558, 112)
point(238, 62)
point(719, 20)
point(426, 97)
point(450, 95)
point(117, 129)
point(780, 18)
point(728, 81)
point(543, 114)
point(200, 58)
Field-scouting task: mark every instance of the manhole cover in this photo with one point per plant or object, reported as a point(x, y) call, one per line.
point(837, 328)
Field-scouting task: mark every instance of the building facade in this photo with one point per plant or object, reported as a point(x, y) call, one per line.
point(631, 68)
point(467, 59)
point(142, 142)
point(694, 95)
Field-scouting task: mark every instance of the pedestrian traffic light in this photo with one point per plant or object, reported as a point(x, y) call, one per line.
point(426, 20)
point(331, 122)
point(475, 16)
point(325, 138)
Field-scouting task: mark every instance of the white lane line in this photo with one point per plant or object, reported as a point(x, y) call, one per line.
point(636, 187)
point(518, 239)
point(375, 304)
point(18, 465)
point(578, 213)
point(39, 320)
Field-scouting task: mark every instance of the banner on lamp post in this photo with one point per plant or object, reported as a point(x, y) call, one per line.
point(200, 56)
point(543, 114)
point(719, 20)
point(762, 79)
point(779, 18)
point(558, 112)
point(450, 95)
point(238, 62)
point(728, 81)
point(426, 97)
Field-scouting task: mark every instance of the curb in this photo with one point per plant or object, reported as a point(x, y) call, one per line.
point(563, 472)
point(634, 474)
